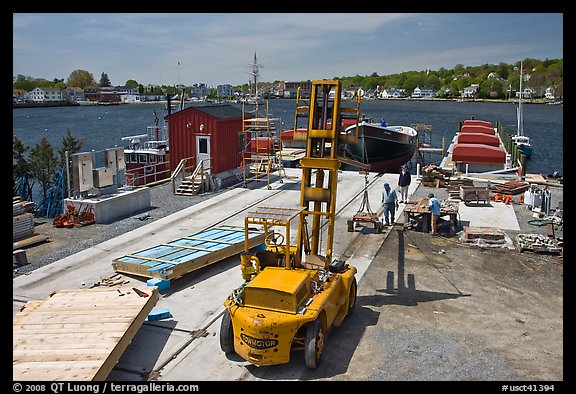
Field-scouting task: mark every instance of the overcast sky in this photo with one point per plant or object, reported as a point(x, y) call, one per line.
point(216, 48)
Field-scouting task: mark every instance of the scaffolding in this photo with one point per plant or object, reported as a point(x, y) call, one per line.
point(262, 152)
point(424, 149)
point(52, 204)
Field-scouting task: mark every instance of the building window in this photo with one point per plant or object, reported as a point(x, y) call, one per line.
point(203, 148)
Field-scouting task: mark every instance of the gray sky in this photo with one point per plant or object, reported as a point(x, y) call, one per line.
point(218, 48)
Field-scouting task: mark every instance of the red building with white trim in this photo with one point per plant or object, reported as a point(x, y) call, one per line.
point(207, 132)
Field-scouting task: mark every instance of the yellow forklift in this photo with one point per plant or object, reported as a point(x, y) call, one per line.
point(293, 294)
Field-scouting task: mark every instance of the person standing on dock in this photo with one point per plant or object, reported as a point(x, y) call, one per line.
point(403, 182)
point(390, 203)
point(434, 205)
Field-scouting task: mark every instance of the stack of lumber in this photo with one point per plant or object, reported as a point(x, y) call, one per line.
point(22, 218)
point(453, 188)
point(512, 187)
point(433, 176)
point(488, 235)
point(22, 226)
point(23, 233)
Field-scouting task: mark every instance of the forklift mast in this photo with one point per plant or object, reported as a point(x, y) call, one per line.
point(320, 167)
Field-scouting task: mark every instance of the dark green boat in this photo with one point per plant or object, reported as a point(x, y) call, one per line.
point(384, 148)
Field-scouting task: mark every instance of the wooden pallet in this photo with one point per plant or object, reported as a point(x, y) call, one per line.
point(512, 187)
point(77, 334)
point(488, 234)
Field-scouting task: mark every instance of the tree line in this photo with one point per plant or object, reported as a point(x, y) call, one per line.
point(496, 81)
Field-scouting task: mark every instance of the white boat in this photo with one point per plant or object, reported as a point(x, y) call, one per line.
point(521, 140)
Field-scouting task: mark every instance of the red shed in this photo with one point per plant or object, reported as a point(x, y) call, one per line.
point(206, 132)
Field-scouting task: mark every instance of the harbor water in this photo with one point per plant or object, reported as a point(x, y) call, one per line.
point(102, 127)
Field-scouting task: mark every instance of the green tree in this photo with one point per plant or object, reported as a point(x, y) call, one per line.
point(132, 84)
point(42, 83)
point(60, 85)
point(70, 144)
point(81, 79)
point(20, 166)
point(22, 82)
point(43, 164)
point(491, 88)
point(503, 70)
point(104, 80)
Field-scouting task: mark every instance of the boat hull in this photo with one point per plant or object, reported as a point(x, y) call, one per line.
point(382, 148)
point(527, 150)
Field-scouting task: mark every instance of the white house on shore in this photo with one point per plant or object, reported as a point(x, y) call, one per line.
point(130, 98)
point(422, 93)
point(470, 91)
point(45, 95)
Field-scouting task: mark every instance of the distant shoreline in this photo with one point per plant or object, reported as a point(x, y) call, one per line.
point(65, 104)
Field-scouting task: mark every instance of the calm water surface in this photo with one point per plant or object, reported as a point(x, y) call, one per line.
point(101, 127)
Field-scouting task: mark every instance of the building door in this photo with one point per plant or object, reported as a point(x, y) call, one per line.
point(203, 151)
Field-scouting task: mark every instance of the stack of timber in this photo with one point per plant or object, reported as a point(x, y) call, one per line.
point(453, 188)
point(512, 187)
point(77, 334)
point(489, 235)
point(435, 176)
point(23, 224)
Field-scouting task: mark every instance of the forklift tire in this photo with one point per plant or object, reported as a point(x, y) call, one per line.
point(314, 345)
point(352, 296)
point(226, 334)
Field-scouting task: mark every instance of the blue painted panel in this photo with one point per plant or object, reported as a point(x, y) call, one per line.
point(160, 267)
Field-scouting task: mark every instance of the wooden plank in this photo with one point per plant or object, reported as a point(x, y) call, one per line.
point(77, 334)
point(32, 240)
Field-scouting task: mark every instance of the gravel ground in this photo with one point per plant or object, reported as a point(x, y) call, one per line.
point(63, 242)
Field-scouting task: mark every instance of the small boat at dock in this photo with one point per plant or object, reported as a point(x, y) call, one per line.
point(147, 155)
point(520, 139)
point(478, 149)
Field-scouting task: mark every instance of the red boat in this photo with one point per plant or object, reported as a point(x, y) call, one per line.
point(478, 153)
point(467, 128)
point(477, 148)
point(478, 138)
point(147, 156)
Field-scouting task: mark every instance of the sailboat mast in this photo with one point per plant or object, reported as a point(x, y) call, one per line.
point(255, 75)
point(520, 120)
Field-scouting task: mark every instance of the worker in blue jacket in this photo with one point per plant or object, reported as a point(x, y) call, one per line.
point(389, 202)
point(434, 205)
